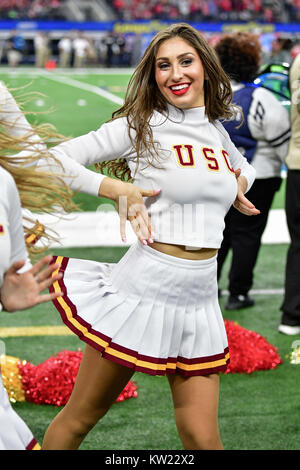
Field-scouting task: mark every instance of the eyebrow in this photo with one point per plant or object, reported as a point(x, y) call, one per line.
point(178, 57)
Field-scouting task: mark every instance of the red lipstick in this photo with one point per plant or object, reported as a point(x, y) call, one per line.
point(180, 88)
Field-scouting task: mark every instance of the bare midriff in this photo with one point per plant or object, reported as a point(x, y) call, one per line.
point(180, 251)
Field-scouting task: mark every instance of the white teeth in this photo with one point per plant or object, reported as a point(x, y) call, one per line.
point(179, 87)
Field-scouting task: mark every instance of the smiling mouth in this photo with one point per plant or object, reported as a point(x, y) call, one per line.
point(180, 89)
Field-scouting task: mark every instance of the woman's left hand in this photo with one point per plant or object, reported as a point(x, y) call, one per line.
point(241, 203)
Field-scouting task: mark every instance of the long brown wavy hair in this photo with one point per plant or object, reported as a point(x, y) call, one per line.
point(143, 95)
point(40, 191)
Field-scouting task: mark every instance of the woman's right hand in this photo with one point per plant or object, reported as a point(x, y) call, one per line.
point(130, 206)
point(20, 291)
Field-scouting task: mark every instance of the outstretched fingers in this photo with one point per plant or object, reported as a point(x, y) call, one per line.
point(137, 214)
point(48, 297)
point(14, 268)
point(121, 206)
point(44, 277)
point(146, 232)
point(46, 283)
point(44, 274)
point(37, 267)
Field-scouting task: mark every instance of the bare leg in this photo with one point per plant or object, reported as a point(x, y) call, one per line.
point(196, 402)
point(99, 382)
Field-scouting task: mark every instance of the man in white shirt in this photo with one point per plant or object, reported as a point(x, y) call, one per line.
point(80, 46)
point(65, 50)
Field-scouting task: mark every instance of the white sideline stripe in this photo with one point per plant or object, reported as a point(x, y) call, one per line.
point(267, 291)
point(85, 86)
point(83, 229)
point(102, 228)
point(261, 292)
point(276, 230)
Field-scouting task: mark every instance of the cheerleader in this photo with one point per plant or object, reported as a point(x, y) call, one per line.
point(156, 311)
point(21, 286)
point(21, 283)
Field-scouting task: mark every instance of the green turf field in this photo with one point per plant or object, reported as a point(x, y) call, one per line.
point(257, 411)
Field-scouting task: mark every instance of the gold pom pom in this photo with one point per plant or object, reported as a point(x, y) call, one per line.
point(12, 380)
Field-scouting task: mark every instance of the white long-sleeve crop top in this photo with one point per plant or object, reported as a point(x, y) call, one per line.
point(16, 124)
point(12, 242)
point(195, 175)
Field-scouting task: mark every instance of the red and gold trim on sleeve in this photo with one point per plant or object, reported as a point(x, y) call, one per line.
point(122, 355)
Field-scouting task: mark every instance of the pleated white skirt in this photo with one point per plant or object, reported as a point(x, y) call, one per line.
point(14, 433)
point(152, 312)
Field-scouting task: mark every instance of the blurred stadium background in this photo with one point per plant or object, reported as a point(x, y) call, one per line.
point(257, 411)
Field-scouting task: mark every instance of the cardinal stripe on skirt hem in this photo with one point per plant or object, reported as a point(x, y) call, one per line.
point(124, 356)
point(33, 445)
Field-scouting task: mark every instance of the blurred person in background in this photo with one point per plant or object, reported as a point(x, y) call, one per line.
point(280, 50)
point(91, 52)
point(262, 135)
point(136, 44)
point(80, 47)
point(42, 49)
point(121, 44)
point(109, 48)
point(290, 321)
point(65, 51)
point(15, 47)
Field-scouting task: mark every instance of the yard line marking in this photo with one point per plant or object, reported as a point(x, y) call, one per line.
point(85, 86)
point(11, 331)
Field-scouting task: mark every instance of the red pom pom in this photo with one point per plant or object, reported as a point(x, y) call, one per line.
point(129, 391)
point(249, 351)
point(52, 381)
